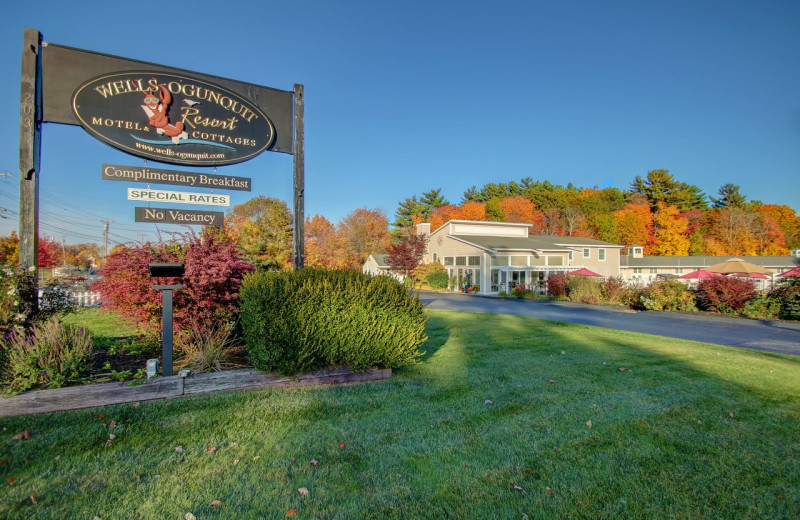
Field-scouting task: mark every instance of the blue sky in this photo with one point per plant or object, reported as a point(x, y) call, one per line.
point(402, 97)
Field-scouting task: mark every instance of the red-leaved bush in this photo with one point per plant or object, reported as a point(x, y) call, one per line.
point(210, 293)
point(557, 285)
point(727, 294)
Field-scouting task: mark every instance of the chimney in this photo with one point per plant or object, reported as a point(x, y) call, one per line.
point(423, 229)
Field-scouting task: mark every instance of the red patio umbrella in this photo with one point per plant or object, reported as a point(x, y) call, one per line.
point(584, 272)
point(700, 274)
point(791, 272)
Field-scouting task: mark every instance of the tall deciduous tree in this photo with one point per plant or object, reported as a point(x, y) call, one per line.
point(635, 225)
point(363, 232)
point(730, 231)
point(323, 246)
point(262, 227)
point(9, 249)
point(670, 232)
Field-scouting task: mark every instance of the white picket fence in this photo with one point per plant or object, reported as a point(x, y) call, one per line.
point(82, 298)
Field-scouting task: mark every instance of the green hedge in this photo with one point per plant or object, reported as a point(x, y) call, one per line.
point(296, 321)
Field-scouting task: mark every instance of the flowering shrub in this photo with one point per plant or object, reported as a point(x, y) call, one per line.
point(727, 295)
point(521, 291)
point(16, 291)
point(213, 275)
point(52, 355)
point(614, 289)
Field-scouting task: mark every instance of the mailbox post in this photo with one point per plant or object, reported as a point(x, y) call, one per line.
point(166, 270)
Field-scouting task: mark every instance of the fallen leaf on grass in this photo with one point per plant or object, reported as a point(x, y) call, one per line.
point(112, 424)
point(257, 457)
point(189, 516)
point(33, 499)
point(623, 369)
point(215, 503)
point(11, 480)
point(552, 381)
point(488, 402)
point(101, 416)
point(303, 491)
point(212, 449)
point(23, 435)
point(314, 462)
point(341, 445)
point(235, 462)
point(111, 436)
point(179, 449)
point(731, 414)
point(138, 478)
point(136, 404)
point(291, 461)
point(589, 424)
point(519, 488)
point(291, 512)
point(548, 489)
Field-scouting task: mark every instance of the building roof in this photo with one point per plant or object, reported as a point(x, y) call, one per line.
point(699, 262)
point(380, 260)
point(531, 243)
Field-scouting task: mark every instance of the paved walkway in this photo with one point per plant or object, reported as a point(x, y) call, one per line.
point(769, 336)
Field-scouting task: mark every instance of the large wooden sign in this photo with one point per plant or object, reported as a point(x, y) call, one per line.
point(172, 118)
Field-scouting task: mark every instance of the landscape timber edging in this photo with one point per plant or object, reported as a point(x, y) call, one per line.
point(90, 396)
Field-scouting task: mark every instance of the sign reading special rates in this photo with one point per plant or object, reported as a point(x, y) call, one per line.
point(172, 118)
point(180, 197)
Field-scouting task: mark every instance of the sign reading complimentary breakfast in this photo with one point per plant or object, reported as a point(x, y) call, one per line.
point(179, 197)
point(116, 172)
point(172, 118)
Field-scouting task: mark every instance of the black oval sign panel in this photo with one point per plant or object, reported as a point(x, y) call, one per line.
point(172, 118)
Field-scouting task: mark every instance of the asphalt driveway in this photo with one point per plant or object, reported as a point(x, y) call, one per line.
point(769, 336)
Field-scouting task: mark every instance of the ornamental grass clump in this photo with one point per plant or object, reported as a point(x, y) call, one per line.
point(307, 319)
point(52, 355)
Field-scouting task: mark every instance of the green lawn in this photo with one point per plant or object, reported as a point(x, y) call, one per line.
point(688, 430)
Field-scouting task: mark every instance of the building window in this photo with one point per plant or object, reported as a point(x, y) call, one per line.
point(569, 255)
point(601, 254)
point(678, 271)
point(637, 251)
point(586, 252)
point(461, 260)
point(637, 270)
point(448, 260)
point(653, 270)
point(434, 258)
point(474, 260)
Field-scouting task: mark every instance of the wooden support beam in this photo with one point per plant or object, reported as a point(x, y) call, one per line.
point(299, 178)
point(29, 153)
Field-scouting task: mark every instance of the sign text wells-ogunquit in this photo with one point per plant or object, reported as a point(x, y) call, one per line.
point(172, 118)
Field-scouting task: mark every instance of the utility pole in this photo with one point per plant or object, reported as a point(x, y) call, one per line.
point(63, 250)
point(105, 239)
point(141, 238)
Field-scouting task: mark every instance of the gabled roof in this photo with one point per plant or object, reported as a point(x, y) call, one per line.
point(380, 260)
point(699, 262)
point(531, 243)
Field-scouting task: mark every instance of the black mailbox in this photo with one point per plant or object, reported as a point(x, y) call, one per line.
point(165, 270)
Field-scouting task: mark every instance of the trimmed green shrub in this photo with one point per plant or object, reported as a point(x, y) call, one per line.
point(762, 308)
point(667, 295)
point(438, 280)
point(787, 292)
point(52, 355)
point(302, 320)
point(583, 289)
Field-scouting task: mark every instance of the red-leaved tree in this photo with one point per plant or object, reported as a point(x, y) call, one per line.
point(406, 255)
point(213, 274)
point(727, 294)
